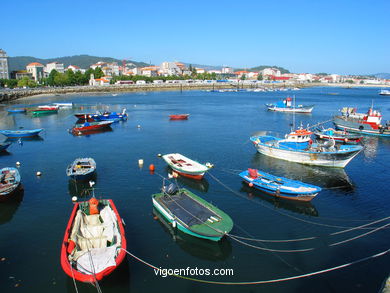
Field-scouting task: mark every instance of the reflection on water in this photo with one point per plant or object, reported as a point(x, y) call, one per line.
point(200, 248)
point(320, 176)
point(306, 208)
point(9, 208)
point(81, 188)
point(200, 185)
point(18, 139)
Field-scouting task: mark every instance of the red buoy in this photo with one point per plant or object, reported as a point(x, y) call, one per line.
point(151, 168)
point(251, 184)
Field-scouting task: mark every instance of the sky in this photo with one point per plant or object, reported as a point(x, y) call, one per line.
point(332, 36)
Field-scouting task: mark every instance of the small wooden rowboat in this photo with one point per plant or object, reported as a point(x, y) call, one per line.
point(16, 110)
point(81, 168)
point(185, 166)
point(9, 182)
point(279, 186)
point(21, 133)
point(179, 116)
point(94, 242)
point(191, 214)
point(84, 127)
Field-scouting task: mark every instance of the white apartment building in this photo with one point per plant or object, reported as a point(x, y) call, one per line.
point(4, 73)
point(75, 68)
point(170, 68)
point(54, 65)
point(227, 70)
point(270, 71)
point(36, 69)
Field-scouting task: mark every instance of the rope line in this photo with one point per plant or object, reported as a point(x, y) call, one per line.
point(284, 214)
point(266, 281)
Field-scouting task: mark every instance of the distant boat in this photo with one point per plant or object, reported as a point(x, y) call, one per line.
point(192, 214)
point(4, 146)
point(105, 116)
point(337, 135)
point(94, 243)
point(279, 186)
point(63, 105)
point(81, 168)
point(86, 126)
point(179, 116)
point(21, 133)
point(16, 110)
point(185, 166)
point(298, 147)
point(384, 92)
point(45, 109)
point(9, 182)
point(363, 123)
point(286, 106)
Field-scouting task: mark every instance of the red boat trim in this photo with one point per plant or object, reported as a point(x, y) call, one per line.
point(70, 271)
point(197, 177)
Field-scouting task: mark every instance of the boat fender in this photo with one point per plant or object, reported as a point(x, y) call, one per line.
point(71, 246)
point(311, 141)
point(346, 139)
point(250, 184)
point(174, 224)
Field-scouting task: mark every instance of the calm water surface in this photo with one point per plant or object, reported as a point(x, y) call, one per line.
point(217, 131)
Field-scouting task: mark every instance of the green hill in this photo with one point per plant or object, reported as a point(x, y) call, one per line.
point(83, 61)
point(261, 67)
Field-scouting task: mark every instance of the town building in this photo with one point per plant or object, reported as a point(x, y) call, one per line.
point(227, 70)
point(150, 71)
point(19, 74)
point(270, 72)
point(75, 68)
point(103, 81)
point(4, 65)
point(59, 67)
point(36, 70)
point(171, 68)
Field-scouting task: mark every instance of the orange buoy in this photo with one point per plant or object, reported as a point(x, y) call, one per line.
point(251, 184)
point(151, 168)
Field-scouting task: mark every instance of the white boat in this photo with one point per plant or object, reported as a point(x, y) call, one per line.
point(185, 166)
point(286, 106)
point(298, 147)
point(384, 92)
point(63, 105)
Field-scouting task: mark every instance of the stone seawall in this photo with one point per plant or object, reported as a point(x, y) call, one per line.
point(13, 94)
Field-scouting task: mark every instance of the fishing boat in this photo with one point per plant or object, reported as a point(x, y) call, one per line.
point(88, 126)
point(105, 116)
point(94, 242)
point(63, 105)
point(279, 186)
point(179, 116)
point(191, 214)
point(297, 146)
point(45, 109)
point(287, 106)
point(16, 110)
point(384, 92)
point(363, 123)
point(81, 168)
point(185, 166)
point(21, 133)
point(4, 146)
point(9, 182)
point(337, 135)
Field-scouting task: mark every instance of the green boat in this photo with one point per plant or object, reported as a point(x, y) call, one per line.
point(191, 214)
point(38, 112)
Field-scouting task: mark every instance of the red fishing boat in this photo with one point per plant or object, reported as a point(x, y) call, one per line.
point(179, 116)
point(90, 125)
point(94, 242)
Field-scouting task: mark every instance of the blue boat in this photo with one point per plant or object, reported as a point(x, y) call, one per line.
point(298, 147)
point(106, 116)
point(9, 182)
point(16, 110)
point(279, 186)
point(4, 146)
point(81, 169)
point(21, 133)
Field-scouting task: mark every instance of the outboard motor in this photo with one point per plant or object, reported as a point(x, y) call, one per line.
point(171, 189)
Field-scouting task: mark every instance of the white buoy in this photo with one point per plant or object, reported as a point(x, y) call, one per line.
point(39, 173)
point(170, 176)
point(138, 126)
point(17, 163)
point(140, 163)
point(159, 155)
point(209, 165)
point(174, 224)
point(74, 198)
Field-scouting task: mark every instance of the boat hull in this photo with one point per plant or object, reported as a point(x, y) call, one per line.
point(178, 163)
point(4, 146)
point(353, 125)
point(179, 117)
point(87, 278)
point(20, 133)
point(7, 191)
point(91, 127)
point(305, 110)
point(327, 159)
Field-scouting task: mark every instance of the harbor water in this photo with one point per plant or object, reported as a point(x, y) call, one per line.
point(217, 131)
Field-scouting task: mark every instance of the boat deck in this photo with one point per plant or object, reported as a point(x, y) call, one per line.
point(186, 209)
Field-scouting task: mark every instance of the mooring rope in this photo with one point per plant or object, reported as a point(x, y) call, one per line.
point(284, 214)
point(74, 281)
point(265, 281)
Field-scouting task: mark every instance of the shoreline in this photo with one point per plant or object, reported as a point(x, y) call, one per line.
point(16, 94)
